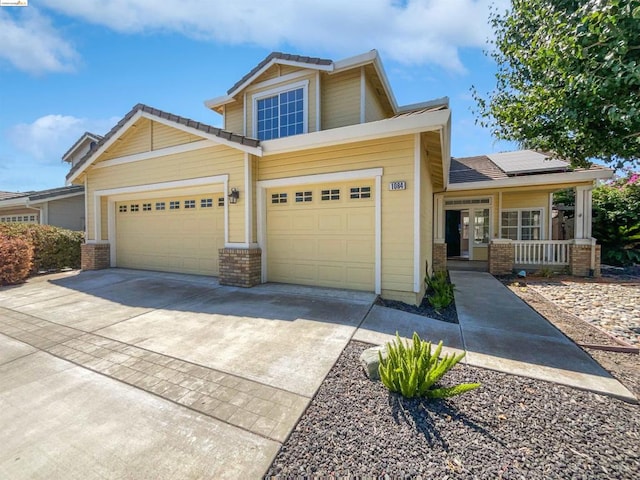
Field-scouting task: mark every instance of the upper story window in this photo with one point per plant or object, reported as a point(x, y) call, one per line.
point(281, 112)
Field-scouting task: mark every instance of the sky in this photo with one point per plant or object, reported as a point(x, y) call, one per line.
point(70, 66)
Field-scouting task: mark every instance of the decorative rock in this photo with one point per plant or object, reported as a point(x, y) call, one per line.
point(370, 361)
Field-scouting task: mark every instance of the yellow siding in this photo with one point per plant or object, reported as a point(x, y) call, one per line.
point(395, 156)
point(525, 199)
point(480, 253)
point(373, 109)
point(233, 117)
point(164, 136)
point(136, 140)
point(340, 99)
point(212, 161)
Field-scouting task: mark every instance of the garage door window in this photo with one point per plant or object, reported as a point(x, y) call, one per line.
point(279, 198)
point(146, 207)
point(221, 201)
point(330, 194)
point(174, 205)
point(135, 207)
point(160, 205)
point(122, 208)
point(304, 197)
point(206, 202)
point(189, 204)
point(360, 192)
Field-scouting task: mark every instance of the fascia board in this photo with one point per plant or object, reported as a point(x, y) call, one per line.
point(354, 133)
point(219, 101)
point(530, 180)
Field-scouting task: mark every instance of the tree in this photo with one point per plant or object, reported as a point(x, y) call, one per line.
point(616, 219)
point(568, 79)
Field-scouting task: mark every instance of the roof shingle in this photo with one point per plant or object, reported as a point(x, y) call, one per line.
point(203, 127)
point(281, 56)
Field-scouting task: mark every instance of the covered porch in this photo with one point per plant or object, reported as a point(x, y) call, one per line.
point(488, 220)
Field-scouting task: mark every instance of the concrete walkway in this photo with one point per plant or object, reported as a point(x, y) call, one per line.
point(129, 374)
point(499, 332)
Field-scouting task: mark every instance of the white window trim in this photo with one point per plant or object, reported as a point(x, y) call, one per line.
point(375, 173)
point(543, 233)
point(304, 84)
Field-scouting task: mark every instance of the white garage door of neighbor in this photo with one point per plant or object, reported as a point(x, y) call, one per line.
point(322, 235)
point(171, 234)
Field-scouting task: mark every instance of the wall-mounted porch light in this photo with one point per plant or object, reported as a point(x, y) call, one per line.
point(234, 195)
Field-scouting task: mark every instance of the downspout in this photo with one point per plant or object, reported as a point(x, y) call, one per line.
point(37, 209)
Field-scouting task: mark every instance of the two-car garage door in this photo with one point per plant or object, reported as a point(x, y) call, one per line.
point(322, 235)
point(171, 234)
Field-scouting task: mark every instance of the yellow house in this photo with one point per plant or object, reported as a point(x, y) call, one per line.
point(317, 177)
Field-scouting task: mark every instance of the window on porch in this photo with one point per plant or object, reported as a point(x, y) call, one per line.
point(521, 224)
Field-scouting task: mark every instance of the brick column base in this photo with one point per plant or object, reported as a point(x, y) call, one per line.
point(240, 267)
point(502, 256)
point(580, 260)
point(95, 256)
point(439, 257)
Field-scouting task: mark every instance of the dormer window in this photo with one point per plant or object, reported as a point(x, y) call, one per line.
point(281, 112)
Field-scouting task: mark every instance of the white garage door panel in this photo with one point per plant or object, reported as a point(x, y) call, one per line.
point(184, 240)
point(322, 242)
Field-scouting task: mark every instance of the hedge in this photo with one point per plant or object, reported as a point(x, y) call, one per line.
point(53, 248)
point(16, 258)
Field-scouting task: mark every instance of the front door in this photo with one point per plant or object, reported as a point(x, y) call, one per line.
point(453, 227)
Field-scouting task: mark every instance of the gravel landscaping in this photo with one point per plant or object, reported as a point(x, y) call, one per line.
point(511, 428)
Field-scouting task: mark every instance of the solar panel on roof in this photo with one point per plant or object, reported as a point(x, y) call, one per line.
point(527, 161)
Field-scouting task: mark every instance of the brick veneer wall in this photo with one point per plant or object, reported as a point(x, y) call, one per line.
point(439, 257)
point(240, 267)
point(580, 260)
point(501, 258)
point(95, 256)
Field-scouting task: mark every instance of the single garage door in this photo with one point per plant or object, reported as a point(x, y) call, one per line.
point(171, 234)
point(322, 235)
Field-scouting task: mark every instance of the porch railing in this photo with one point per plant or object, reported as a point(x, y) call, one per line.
point(542, 252)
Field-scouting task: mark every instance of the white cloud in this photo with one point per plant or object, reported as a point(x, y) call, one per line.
point(410, 32)
point(30, 43)
point(47, 138)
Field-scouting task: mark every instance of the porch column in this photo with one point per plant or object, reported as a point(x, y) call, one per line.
point(438, 218)
point(583, 212)
point(502, 255)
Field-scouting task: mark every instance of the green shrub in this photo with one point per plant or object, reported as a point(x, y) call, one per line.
point(412, 370)
point(439, 290)
point(16, 257)
point(53, 248)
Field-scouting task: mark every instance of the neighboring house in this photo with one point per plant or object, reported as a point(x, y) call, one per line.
point(317, 177)
point(62, 207)
point(83, 145)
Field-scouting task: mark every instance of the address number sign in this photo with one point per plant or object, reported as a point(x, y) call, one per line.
point(400, 185)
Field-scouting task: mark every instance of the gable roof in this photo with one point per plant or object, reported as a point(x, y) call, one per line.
point(521, 167)
point(278, 57)
point(183, 123)
point(85, 136)
point(41, 195)
point(369, 58)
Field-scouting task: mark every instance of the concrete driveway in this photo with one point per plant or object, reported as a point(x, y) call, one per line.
point(129, 374)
